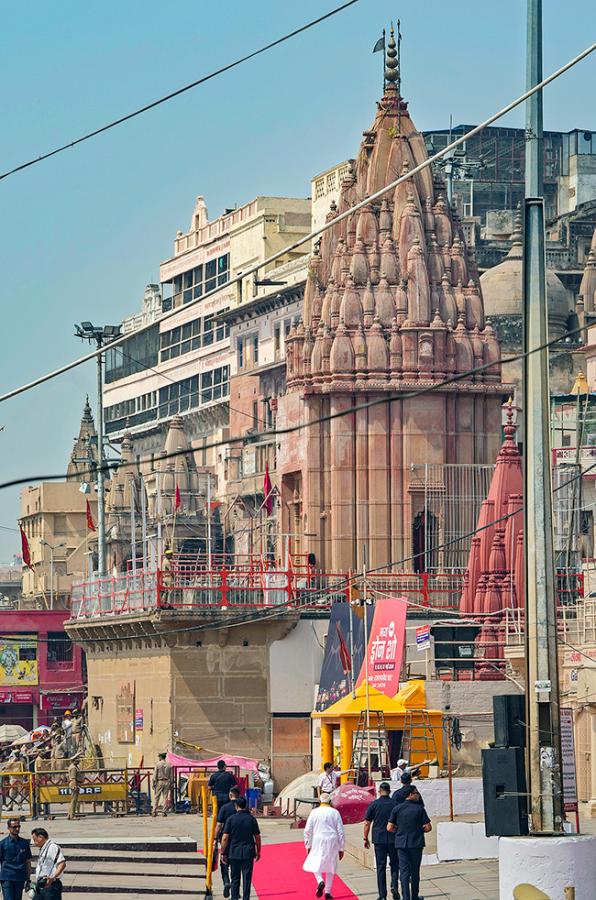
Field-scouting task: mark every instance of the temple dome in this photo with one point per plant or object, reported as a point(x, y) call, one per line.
point(502, 290)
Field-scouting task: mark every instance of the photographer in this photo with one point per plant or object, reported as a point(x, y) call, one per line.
point(50, 866)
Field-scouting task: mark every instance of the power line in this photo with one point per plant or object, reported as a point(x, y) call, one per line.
point(176, 93)
point(300, 426)
point(309, 237)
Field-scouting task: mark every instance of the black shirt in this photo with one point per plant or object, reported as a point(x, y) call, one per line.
point(409, 817)
point(220, 783)
point(225, 811)
point(401, 793)
point(241, 827)
point(14, 853)
point(378, 813)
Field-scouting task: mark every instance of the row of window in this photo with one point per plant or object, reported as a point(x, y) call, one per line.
point(200, 332)
point(181, 396)
point(200, 280)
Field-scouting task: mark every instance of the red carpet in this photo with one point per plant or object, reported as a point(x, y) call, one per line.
point(279, 874)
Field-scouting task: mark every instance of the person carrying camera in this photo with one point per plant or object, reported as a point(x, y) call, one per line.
point(50, 866)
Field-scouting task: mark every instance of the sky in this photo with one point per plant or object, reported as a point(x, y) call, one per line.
point(83, 233)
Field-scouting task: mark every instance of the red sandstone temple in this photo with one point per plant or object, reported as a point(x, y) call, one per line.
point(392, 304)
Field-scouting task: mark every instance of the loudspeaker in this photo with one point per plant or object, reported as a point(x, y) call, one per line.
point(509, 714)
point(505, 791)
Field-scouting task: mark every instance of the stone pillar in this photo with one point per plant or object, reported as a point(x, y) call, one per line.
point(326, 742)
point(346, 741)
point(378, 492)
point(343, 524)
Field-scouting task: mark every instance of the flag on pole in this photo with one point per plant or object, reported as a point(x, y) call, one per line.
point(267, 490)
point(380, 45)
point(344, 653)
point(25, 549)
point(177, 500)
point(90, 522)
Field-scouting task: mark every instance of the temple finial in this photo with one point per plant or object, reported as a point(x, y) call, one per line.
point(391, 66)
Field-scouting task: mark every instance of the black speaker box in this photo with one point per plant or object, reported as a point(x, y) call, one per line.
point(509, 714)
point(505, 791)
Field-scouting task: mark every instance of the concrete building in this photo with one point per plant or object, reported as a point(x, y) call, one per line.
point(54, 519)
point(41, 672)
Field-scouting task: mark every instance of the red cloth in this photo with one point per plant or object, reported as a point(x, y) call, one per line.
point(90, 522)
point(25, 549)
point(279, 874)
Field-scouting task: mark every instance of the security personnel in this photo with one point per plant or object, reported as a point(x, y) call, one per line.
point(223, 814)
point(221, 783)
point(401, 793)
point(410, 823)
point(241, 845)
point(377, 815)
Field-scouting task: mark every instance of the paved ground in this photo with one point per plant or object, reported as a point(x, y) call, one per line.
point(461, 880)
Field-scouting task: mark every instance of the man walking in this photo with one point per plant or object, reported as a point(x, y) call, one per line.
point(377, 815)
point(241, 845)
point(15, 862)
point(224, 812)
point(50, 866)
point(221, 783)
point(325, 841)
point(162, 785)
point(410, 823)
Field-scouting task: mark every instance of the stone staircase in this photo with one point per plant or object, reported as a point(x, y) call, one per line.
point(168, 866)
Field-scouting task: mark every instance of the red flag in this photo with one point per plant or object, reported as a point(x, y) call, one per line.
point(25, 548)
point(267, 490)
point(90, 522)
point(177, 501)
point(344, 653)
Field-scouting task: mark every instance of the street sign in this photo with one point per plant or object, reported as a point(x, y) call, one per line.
point(423, 637)
point(568, 761)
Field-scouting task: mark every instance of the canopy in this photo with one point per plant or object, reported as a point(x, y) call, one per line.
point(243, 762)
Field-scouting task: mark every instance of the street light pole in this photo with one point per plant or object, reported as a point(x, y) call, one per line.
point(542, 679)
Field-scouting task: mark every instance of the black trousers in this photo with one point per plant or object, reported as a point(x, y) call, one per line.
point(409, 871)
point(382, 852)
point(241, 867)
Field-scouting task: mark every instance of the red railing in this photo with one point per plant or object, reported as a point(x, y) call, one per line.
point(186, 589)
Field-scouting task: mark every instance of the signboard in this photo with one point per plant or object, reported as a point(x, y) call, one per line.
point(18, 660)
point(568, 761)
point(386, 646)
point(423, 637)
point(88, 793)
point(138, 719)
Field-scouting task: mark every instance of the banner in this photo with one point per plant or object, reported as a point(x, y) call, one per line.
point(18, 659)
point(335, 681)
point(386, 645)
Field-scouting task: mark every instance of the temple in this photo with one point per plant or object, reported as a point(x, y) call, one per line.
point(392, 306)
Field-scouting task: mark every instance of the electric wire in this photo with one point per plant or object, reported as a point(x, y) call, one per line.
point(176, 93)
point(309, 237)
point(276, 433)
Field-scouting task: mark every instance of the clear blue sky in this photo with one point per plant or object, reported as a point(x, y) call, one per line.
point(82, 234)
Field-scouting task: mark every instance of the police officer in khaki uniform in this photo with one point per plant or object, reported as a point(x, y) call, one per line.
point(162, 786)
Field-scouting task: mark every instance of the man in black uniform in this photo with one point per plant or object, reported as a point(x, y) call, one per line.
point(223, 814)
point(410, 823)
point(241, 845)
point(400, 794)
point(221, 782)
point(377, 815)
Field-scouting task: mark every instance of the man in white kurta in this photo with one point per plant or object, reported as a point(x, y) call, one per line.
point(325, 841)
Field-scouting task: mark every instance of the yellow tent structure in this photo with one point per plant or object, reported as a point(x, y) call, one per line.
point(406, 708)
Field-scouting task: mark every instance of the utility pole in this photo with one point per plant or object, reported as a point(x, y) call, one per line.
point(542, 678)
point(100, 336)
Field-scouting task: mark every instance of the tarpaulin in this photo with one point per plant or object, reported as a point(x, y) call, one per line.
point(243, 762)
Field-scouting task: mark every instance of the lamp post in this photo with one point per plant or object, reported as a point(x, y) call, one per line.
point(100, 335)
point(51, 548)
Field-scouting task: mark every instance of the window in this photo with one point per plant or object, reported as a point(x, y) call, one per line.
point(193, 284)
point(60, 649)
